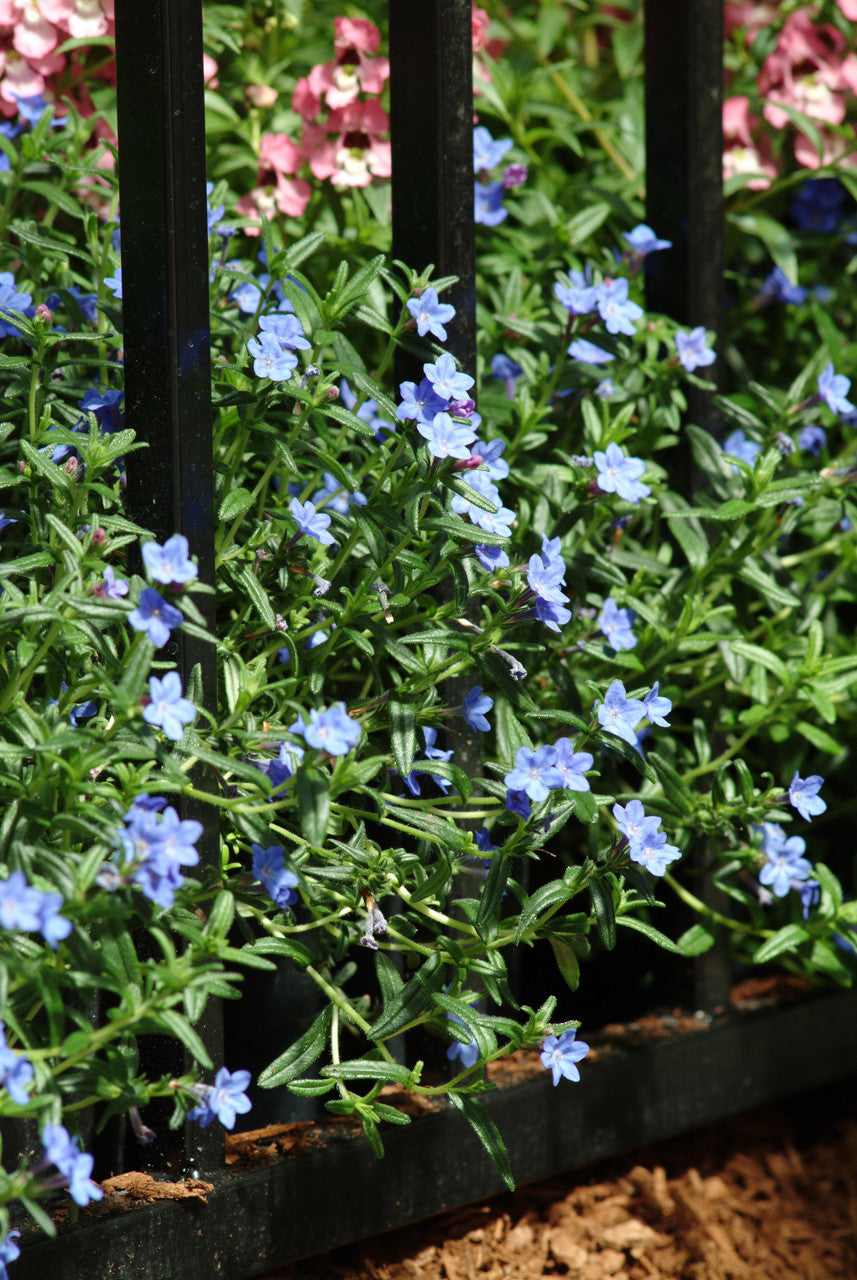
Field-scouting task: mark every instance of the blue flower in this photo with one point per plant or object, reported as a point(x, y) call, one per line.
point(803, 795)
point(168, 709)
point(447, 438)
point(785, 863)
point(20, 903)
point(490, 451)
point(620, 474)
point(738, 445)
point(487, 153)
point(491, 558)
point(74, 1165)
point(169, 563)
point(545, 575)
point(517, 802)
point(535, 773)
point(571, 765)
point(582, 349)
point(430, 314)
point(154, 616)
point(497, 522)
point(620, 714)
point(818, 204)
point(448, 382)
point(288, 331)
point(269, 868)
point(475, 708)
point(419, 403)
point(16, 1071)
point(225, 1099)
point(508, 370)
point(643, 240)
point(776, 287)
point(653, 852)
point(9, 1250)
point(153, 850)
point(561, 1055)
point(812, 439)
point(615, 308)
point(52, 926)
point(312, 523)
point(11, 301)
point(833, 389)
point(467, 1054)
point(692, 350)
point(114, 283)
point(339, 499)
point(271, 360)
point(616, 624)
point(112, 588)
point(332, 730)
point(488, 207)
point(579, 296)
point(657, 707)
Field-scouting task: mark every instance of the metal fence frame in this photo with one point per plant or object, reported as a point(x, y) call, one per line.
point(340, 1193)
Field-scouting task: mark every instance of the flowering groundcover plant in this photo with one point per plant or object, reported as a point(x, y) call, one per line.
point(653, 677)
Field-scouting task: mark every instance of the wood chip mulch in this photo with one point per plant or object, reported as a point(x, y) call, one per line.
point(769, 1196)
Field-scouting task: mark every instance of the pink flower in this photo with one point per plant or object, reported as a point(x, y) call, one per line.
point(736, 120)
point(741, 155)
point(33, 36)
point(209, 71)
point(82, 19)
point(749, 14)
point(356, 33)
point(305, 101)
point(358, 153)
point(849, 9)
point(278, 152)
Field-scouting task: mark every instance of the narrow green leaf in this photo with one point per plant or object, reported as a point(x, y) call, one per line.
point(788, 938)
point(487, 1133)
point(566, 961)
point(313, 802)
point(302, 1054)
point(650, 932)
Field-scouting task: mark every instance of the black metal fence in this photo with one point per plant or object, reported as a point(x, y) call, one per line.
point(339, 1192)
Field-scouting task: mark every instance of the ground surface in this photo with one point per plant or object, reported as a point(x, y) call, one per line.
point(769, 1196)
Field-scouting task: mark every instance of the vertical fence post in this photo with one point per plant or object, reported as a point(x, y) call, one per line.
point(161, 120)
point(684, 203)
point(431, 131)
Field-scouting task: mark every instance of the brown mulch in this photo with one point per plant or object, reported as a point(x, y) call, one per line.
point(769, 1196)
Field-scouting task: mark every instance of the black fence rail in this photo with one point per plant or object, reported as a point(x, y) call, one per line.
point(254, 1220)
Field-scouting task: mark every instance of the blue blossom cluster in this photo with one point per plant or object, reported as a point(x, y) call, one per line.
point(166, 708)
point(16, 1071)
point(547, 768)
point(620, 474)
point(621, 715)
point(170, 565)
point(154, 846)
point(786, 868)
point(74, 1165)
point(273, 349)
point(488, 207)
point(616, 624)
point(12, 301)
point(609, 299)
point(646, 843)
point(546, 578)
point(24, 907)
point(431, 753)
point(269, 868)
point(224, 1100)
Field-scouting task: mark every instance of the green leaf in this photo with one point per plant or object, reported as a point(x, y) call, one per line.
point(412, 1001)
point(487, 1133)
point(818, 737)
point(177, 1025)
point(236, 503)
point(789, 938)
point(487, 921)
point(368, 1069)
point(566, 961)
point(695, 941)
point(650, 932)
point(403, 720)
point(221, 915)
point(277, 946)
point(258, 596)
point(311, 787)
point(601, 894)
point(302, 1054)
point(389, 978)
